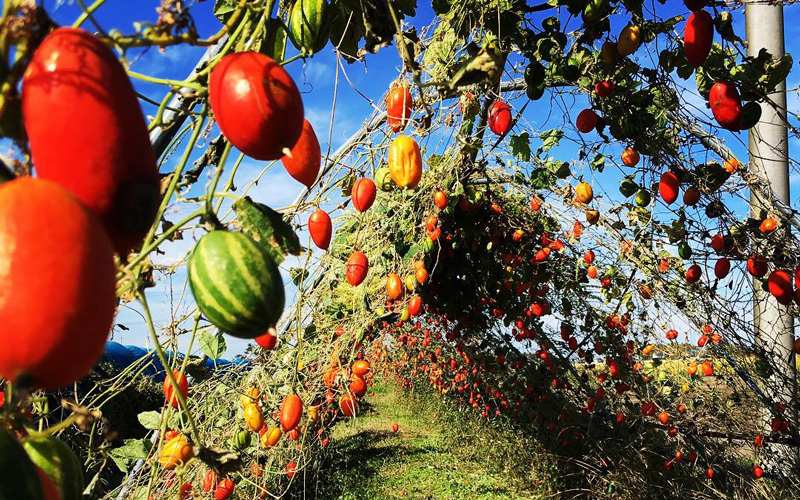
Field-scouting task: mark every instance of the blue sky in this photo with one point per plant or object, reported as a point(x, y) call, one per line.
point(315, 78)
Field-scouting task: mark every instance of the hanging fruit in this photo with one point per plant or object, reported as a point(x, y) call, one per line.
point(757, 266)
point(693, 274)
point(363, 194)
point(415, 305)
point(267, 341)
point(183, 387)
point(321, 228)
point(107, 160)
point(177, 451)
point(604, 89)
point(722, 268)
point(629, 40)
point(383, 179)
point(291, 411)
point(779, 284)
point(55, 321)
point(357, 268)
point(256, 105)
point(398, 107)
point(440, 199)
point(669, 187)
point(59, 463)
point(348, 405)
point(309, 25)
point(698, 37)
point(14, 463)
point(726, 105)
point(500, 118)
point(586, 121)
point(394, 287)
point(405, 162)
point(236, 284)
point(630, 158)
point(584, 193)
point(305, 157)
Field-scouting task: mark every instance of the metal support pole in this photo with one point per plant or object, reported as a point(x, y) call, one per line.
point(769, 158)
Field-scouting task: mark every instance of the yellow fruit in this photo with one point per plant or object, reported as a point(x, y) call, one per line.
point(629, 40)
point(405, 314)
point(313, 413)
point(584, 192)
point(176, 452)
point(411, 282)
point(271, 437)
point(253, 417)
point(592, 216)
point(250, 397)
point(685, 388)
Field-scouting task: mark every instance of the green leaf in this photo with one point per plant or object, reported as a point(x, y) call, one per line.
point(411, 253)
point(599, 162)
point(551, 138)
point(296, 274)
point(267, 227)
point(131, 451)
point(150, 420)
point(541, 178)
point(212, 345)
point(521, 146)
point(224, 8)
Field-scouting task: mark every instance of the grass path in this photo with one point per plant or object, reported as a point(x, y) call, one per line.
point(371, 462)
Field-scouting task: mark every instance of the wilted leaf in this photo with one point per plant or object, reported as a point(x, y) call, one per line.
point(267, 227)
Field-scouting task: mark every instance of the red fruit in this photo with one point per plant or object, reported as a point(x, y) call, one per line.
point(708, 368)
point(348, 405)
point(358, 386)
point(321, 228)
point(758, 472)
point(224, 489)
point(291, 411)
point(183, 386)
point(588, 257)
point(305, 157)
point(780, 285)
point(797, 276)
point(267, 341)
point(87, 132)
point(718, 243)
point(620, 417)
point(691, 196)
point(726, 105)
point(710, 473)
point(695, 5)
point(693, 274)
point(357, 267)
point(398, 107)
point(440, 199)
point(500, 118)
point(256, 104)
point(363, 194)
point(669, 187)
point(698, 37)
point(663, 417)
point(757, 266)
point(57, 272)
point(722, 268)
point(49, 489)
point(587, 121)
point(395, 427)
point(604, 88)
point(415, 305)
point(210, 480)
point(290, 468)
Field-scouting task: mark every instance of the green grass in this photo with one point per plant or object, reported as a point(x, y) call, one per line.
point(369, 461)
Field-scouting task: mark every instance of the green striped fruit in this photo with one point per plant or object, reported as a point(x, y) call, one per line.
point(308, 25)
point(18, 477)
point(384, 179)
point(241, 440)
point(59, 462)
point(236, 284)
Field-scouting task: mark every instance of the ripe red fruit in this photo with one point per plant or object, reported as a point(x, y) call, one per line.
point(395, 427)
point(691, 196)
point(256, 104)
point(87, 133)
point(710, 473)
point(321, 228)
point(726, 105)
point(291, 411)
point(780, 285)
point(210, 480)
point(290, 468)
point(722, 268)
point(57, 299)
point(669, 187)
point(183, 386)
point(604, 88)
point(363, 194)
point(663, 417)
point(693, 274)
point(588, 257)
point(698, 37)
point(586, 121)
point(415, 305)
point(398, 107)
point(757, 266)
point(357, 267)
point(707, 367)
point(224, 489)
point(305, 157)
point(500, 118)
point(440, 199)
point(758, 472)
point(267, 341)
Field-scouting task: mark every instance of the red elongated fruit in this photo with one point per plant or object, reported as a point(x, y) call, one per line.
point(693, 274)
point(305, 157)
point(586, 121)
point(398, 107)
point(357, 268)
point(797, 276)
point(726, 105)
point(183, 386)
point(415, 305)
point(291, 411)
point(500, 118)
point(87, 133)
point(780, 286)
point(256, 104)
point(722, 268)
point(604, 88)
point(757, 266)
point(57, 301)
point(363, 194)
point(321, 228)
point(440, 199)
point(267, 341)
point(698, 37)
point(669, 187)
point(224, 490)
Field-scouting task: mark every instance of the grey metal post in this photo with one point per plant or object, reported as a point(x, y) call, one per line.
point(769, 154)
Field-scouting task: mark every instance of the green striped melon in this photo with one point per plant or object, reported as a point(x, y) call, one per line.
point(59, 462)
point(309, 25)
point(236, 284)
point(18, 477)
